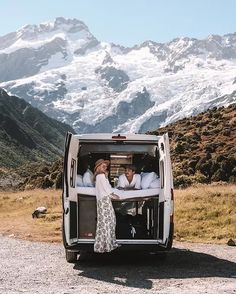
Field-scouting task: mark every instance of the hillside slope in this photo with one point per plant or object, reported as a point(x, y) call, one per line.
point(26, 134)
point(203, 147)
point(203, 150)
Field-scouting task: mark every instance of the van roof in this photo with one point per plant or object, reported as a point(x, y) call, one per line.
point(116, 136)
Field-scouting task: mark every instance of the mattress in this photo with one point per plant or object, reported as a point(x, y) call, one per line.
point(128, 194)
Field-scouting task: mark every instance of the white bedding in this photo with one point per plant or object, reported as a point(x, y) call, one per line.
point(121, 193)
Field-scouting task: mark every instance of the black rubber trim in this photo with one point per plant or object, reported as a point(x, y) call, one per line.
point(161, 220)
point(65, 171)
point(64, 177)
point(73, 219)
point(63, 233)
point(171, 236)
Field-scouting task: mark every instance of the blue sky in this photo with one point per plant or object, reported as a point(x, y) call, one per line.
point(127, 22)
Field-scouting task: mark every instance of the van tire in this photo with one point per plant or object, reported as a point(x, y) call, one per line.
point(71, 256)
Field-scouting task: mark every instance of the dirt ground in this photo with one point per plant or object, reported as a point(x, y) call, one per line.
point(36, 267)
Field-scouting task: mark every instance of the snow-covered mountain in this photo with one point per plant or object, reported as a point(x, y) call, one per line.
point(62, 69)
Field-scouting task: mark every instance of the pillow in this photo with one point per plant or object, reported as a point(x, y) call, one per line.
point(147, 178)
point(155, 184)
point(79, 181)
point(88, 179)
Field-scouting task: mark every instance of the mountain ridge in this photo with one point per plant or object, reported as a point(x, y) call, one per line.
point(92, 85)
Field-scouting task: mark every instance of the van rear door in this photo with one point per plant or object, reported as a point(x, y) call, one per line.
point(166, 179)
point(69, 196)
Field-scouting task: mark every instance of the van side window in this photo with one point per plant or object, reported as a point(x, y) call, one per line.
point(162, 174)
point(72, 172)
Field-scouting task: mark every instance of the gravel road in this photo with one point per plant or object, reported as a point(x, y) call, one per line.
point(31, 267)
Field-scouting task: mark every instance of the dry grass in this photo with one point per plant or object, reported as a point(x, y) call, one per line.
point(202, 214)
point(16, 210)
point(206, 213)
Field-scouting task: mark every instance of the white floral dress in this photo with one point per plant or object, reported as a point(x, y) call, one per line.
point(105, 239)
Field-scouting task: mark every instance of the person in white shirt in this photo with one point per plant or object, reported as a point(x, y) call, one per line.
point(105, 239)
point(129, 180)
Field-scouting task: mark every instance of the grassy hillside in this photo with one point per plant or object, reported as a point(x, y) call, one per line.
point(203, 150)
point(203, 147)
point(26, 134)
point(202, 214)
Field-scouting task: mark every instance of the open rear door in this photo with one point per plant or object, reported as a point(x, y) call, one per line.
point(69, 197)
point(165, 196)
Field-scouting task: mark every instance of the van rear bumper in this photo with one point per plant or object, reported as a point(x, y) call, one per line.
point(125, 246)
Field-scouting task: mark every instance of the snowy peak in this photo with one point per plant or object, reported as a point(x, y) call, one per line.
point(37, 48)
point(62, 69)
point(215, 46)
point(29, 32)
point(35, 36)
point(182, 50)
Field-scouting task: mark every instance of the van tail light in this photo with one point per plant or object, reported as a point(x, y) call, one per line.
point(119, 137)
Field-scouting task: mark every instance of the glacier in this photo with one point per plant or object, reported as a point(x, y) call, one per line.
point(62, 69)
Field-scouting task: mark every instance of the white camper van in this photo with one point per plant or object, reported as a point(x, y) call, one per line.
point(144, 218)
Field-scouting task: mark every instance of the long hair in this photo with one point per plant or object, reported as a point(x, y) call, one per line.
point(99, 173)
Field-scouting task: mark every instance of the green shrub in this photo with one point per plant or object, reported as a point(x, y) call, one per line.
point(210, 147)
point(219, 175)
point(179, 148)
point(58, 182)
point(226, 132)
point(47, 183)
point(232, 179)
point(200, 178)
point(53, 175)
point(193, 164)
point(45, 170)
point(182, 181)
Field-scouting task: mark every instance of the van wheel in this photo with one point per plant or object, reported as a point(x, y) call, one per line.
point(71, 256)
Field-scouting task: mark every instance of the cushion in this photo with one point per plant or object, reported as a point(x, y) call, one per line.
point(147, 178)
point(155, 184)
point(79, 181)
point(88, 179)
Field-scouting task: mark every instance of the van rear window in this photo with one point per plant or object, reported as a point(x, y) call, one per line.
point(144, 157)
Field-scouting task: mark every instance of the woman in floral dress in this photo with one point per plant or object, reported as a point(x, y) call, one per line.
point(105, 239)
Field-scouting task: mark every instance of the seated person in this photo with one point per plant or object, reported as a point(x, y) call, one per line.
point(129, 180)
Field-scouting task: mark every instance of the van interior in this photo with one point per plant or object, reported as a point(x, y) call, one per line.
point(140, 218)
